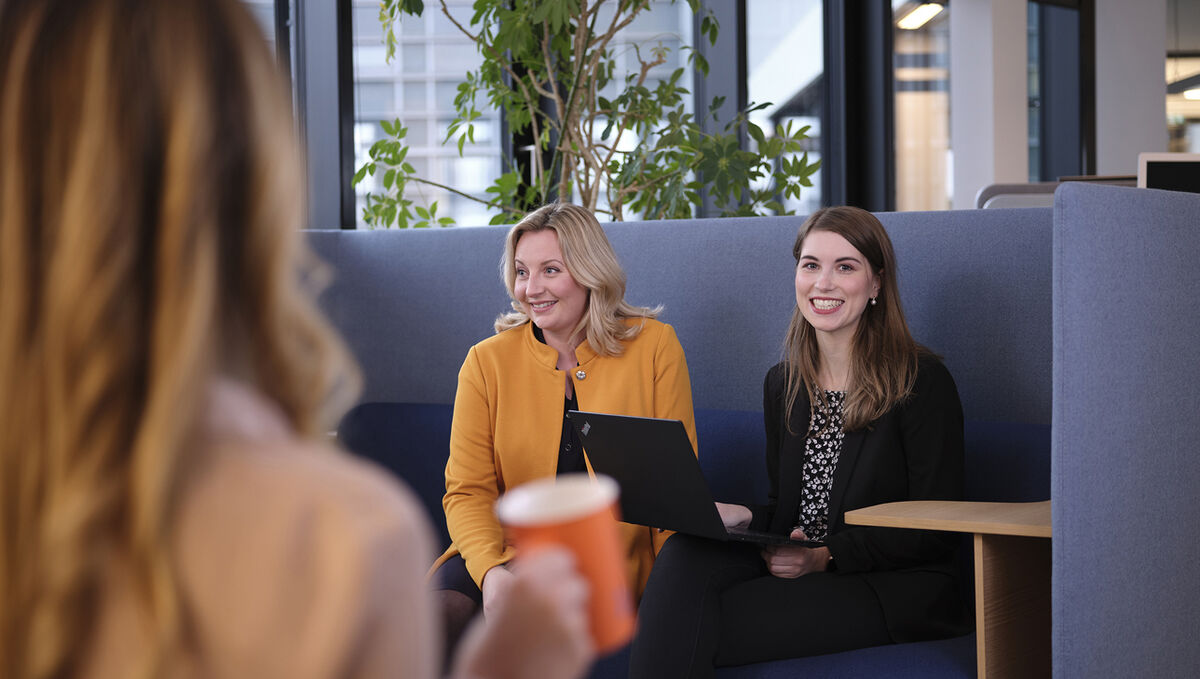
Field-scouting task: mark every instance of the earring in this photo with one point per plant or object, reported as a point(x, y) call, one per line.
point(872, 301)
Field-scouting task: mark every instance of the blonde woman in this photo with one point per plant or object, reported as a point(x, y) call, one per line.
point(570, 342)
point(168, 505)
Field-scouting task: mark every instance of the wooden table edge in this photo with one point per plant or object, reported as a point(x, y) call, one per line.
point(1028, 519)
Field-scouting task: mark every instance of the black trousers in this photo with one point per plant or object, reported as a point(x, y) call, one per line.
point(711, 604)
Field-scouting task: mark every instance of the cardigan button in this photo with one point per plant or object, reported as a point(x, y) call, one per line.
point(580, 375)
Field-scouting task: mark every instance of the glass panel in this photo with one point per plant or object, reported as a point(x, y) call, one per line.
point(922, 111)
point(365, 21)
point(264, 12)
point(418, 133)
point(454, 58)
point(446, 91)
point(432, 57)
point(785, 64)
point(376, 98)
point(412, 59)
point(1183, 76)
point(1033, 59)
point(1183, 105)
point(414, 96)
point(662, 23)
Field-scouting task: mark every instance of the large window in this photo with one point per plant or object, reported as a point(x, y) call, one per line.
point(418, 87)
point(264, 12)
point(1183, 76)
point(922, 112)
point(663, 23)
point(785, 67)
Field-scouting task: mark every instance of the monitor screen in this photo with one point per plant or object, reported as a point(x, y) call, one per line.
point(1169, 171)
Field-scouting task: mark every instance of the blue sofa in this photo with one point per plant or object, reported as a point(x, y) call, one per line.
point(976, 288)
point(1082, 314)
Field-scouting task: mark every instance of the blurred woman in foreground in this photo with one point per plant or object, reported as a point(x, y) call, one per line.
point(167, 504)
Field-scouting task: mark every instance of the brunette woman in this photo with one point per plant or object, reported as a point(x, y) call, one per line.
point(857, 414)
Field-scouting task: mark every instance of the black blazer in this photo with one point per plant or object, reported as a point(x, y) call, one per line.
point(913, 452)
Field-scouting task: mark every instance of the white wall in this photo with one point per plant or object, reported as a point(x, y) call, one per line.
point(1131, 109)
point(989, 126)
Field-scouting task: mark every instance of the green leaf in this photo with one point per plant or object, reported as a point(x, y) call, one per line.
point(756, 132)
point(608, 129)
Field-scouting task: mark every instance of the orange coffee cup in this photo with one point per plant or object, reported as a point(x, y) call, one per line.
point(579, 513)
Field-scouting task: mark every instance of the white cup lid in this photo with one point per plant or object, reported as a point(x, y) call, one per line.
point(556, 499)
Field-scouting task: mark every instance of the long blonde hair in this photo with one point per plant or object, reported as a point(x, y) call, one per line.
point(883, 360)
point(150, 195)
point(590, 260)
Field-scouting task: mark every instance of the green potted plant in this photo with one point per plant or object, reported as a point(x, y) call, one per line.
point(546, 63)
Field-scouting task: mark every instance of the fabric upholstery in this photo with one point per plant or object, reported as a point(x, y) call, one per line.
point(976, 287)
point(1125, 465)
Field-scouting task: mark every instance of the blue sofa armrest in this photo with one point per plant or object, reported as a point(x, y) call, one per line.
point(412, 441)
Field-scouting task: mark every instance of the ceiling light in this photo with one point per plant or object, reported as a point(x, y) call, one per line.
point(1183, 85)
point(919, 16)
point(1194, 95)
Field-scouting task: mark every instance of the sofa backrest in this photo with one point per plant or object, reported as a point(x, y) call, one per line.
point(975, 287)
point(1126, 439)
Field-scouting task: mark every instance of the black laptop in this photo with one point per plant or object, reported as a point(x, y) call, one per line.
point(660, 478)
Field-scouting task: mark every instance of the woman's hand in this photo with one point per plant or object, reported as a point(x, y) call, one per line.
point(496, 584)
point(734, 516)
point(792, 561)
point(537, 628)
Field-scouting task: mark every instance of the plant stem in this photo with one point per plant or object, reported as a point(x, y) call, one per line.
point(453, 190)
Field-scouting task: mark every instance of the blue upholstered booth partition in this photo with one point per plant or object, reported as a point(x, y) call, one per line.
point(975, 286)
point(1126, 440)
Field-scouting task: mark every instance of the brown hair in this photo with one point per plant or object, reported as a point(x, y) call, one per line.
point(149, 216)
point(590, 260)
point(883, 362)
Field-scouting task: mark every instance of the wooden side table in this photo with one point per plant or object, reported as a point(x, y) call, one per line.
point(1012, 574)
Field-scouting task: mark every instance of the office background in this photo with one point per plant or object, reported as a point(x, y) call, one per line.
point(986, 91)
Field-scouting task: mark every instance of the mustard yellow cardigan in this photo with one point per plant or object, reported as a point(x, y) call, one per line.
point(508, 422)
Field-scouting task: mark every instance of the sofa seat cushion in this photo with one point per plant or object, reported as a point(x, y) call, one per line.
point(942, 659)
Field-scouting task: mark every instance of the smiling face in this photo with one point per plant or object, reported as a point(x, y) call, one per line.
point(834, 284)
point(544, 287)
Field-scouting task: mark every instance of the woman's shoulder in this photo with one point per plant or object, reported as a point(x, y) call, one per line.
point(933, 377)
point(502, 345)
point(651, 334)
point(776, 377)
point(505, 338)
point(651, 326)
point(264, 525)
point(930, 366)
point(252, 477)
point(285, 484)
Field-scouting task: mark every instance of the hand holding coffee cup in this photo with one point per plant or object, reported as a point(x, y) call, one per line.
point(538, 628)
point(577, 512)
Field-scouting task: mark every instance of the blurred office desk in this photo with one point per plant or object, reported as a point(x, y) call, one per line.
point(1012, 574)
